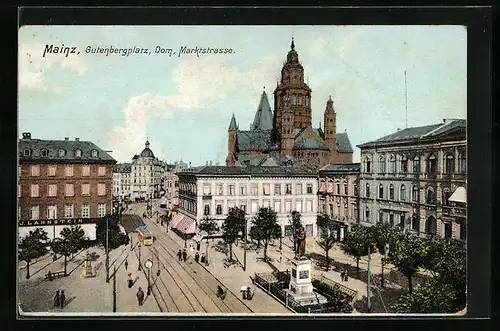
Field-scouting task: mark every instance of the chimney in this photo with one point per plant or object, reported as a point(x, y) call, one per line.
point(206, 163)
point(190, 164)
point(77, 139)
point(66, 138)
point(26, 135)
point(210, 163)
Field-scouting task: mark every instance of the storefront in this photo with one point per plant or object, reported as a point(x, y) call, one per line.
point(53, 227)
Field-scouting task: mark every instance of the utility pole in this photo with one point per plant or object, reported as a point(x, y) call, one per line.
point(368, 294)
point(114, 289)
point(107, 249)
point(245, 246)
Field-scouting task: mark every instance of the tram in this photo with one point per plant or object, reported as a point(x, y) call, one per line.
point(145, 237)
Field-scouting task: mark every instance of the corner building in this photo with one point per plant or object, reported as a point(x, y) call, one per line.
point(63, 183)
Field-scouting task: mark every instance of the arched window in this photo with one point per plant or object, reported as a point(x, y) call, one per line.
point(381, 164)
point(402, 193)
point(367, 165)
point(415, 223)
point(431, 164)
point(381, 191)
point(62, 152)
point(446, 196)
point(414, 193)
point(404, 164)
point(94, 153)
point(44, 153)
point(463, 163)
point(416, 164)
point(430, 225)
point(430, 196)
point(450, 163)
point(392, 164)
point(367, 191)
point(78, 153)
point(391, 192)
point(294, 100)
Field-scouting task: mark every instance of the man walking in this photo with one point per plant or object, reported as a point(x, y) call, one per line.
point(62, 299)
point(184, 255)
point(130, 280)
point(126, 264)
point(57, 300)
point(179, 254)
point(140, 296)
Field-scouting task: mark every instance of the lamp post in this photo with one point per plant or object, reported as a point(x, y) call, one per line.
point(107, 249)
point(131, 246)
point(139, 268)
point(368, 294)
point(384, 261)
point(148, 264)
point(114, 289)
point(185, 238)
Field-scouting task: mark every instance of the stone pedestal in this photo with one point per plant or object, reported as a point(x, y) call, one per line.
point(301, 288)
point(87, 268)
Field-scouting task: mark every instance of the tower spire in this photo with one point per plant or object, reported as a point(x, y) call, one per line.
point(292, 46)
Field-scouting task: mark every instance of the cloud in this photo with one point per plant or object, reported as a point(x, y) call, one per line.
point(33, 66)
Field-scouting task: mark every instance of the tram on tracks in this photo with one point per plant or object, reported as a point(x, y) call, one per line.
point(144, 236)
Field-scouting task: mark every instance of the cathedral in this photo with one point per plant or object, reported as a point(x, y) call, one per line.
point(286, 137)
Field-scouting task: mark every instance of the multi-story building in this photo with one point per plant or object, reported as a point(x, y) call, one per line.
point(62, 183)
point(147, 175)
point(338, 193)
point(121, 180)
point(210, 191)
point(408, 177)
point(171, 189)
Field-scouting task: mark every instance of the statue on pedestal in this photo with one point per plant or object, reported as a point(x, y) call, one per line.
point(301, 239)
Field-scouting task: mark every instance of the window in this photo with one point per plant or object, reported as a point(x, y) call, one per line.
point(52, 212)
point(69, 190)
point(446, 196)
point(101, 210)
point(68, 171)
point(381, 217)
point(288, 206)
point(51, 171)
point(414, 193)
point(430, 225)
point(391, 220)
point(277, 206)
point(391, 192)
point(402, 221)
point(330, 209)
point(447, 230)
point(355, 190)
point(255, 206)
point(463, 163)
point(206, 189)
point(78, 153)
point(218, 209)
point(35, 170)
point(62, 152)
point(220, 189)
point(101, 171)
point(44, 153)
point(35, 212)
point(298, 189)
point(289, 188)
point(298, 206)
point(345, 189)
point(266, 188)
point(367, 190)
point(463, 230)
point(415, 223)
point(232, 190)
point(402, 193)
point(85, 189)
point(277, 189)
point(431, 164)
point(381, 164)
point(94, 153)
point(266, 203)
point(85, 210)
point(381, 191)
point(309, 188)
point(309, 206)
point(404, 164)
point(27, 152)
point(68, 211)
point(416, 164)
point(243, 189)
point(255, 189)
point(431, 196)
point(35, 190)
point(101, 189)
point(367, 215)
point(368, 166)
point(52, 190)
point(392, 164)
point(337, 188)
point(449, 163)
point(206, 209)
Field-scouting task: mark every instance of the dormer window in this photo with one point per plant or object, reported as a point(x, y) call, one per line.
point(27, 152)
point(78, 153)
point(94, 153)
point(44, 153)
point(62, 152)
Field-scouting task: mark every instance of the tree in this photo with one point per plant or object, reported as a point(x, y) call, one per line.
point(432, 297)
point(233, 224)
point(32, 246)
point(256, 234)
point(266, 223)
point(409, 254)
point(72, 241)
point(209, 226)
point(296, 223)
point(356, 243)
point(328, 235)
point(383, 238)
point(115, 237)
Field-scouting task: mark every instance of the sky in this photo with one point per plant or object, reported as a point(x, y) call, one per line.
point(183, 104)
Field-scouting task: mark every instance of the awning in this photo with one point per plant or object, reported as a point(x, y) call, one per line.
point(176, 219)
point(460, 195)
point(186, 225)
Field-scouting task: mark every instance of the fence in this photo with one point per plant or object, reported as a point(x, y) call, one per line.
point(332, 286)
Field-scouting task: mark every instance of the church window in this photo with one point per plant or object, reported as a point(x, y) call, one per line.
point(294, 100)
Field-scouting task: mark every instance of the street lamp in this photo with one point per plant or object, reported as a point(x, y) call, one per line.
point(107, 249)
point(139, 268)
point(148, 264)
point(185, 238)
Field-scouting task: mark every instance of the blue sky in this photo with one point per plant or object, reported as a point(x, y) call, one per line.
point(184, 104)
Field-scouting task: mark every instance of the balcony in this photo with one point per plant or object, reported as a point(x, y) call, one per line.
point(207, 196)
point(453, 211)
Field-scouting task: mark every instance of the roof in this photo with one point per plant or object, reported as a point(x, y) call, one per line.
point(257, 171)
point(460, 195)
point(343, 143)
point(233, 126)
point(147, 152)
point(259, 160)
point(310, 143)
point(131, 222)
point(264, 116)
point(122, 167)
point(421, 132)
point(350, 167)
point(254, 140)
point(52, 147)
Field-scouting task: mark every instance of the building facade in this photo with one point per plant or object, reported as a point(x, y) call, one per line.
point(338, 192)
point(63, 183)
point(408, 178)
point(146, 175)
point(211, 191)
point(171, 185)
point(289, 131)
point(121, 180)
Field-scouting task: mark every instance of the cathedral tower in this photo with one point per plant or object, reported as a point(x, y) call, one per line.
point(232, 142)
point(287, 127)
point(330, 120)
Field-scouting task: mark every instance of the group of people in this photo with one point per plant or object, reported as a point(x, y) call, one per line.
point(343, 275)
point(246, 293)
point(221, 293)
point(59, 299)
point(182, 254)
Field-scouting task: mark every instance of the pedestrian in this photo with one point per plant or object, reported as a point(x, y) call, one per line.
point(346, 276)
point(342, 274)
point(184, 255)
point(191, 248)
point(62, 299)
point(243, 291)
point(130, 280)
point(140, 296)
point(198, 246)
point(203, 258)
point(126, 264)
point(179, 255)
point(57, 300)
point(197, 257)
point(249, 293)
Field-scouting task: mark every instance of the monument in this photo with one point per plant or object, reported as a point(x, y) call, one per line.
point(87, 267)
point(301, 288)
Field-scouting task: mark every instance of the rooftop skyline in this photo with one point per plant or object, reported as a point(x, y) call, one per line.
point(183, 105)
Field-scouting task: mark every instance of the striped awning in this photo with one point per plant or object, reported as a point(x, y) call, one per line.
point(186, 224)
point(176, 219)
point(460, 195)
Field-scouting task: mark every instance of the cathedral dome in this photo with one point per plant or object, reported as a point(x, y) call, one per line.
point(147, 152)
